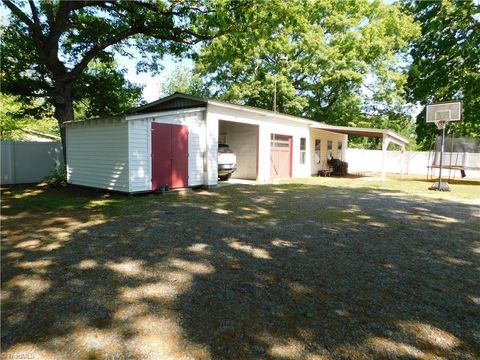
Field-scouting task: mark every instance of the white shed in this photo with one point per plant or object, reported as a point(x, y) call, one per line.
point(174, 142)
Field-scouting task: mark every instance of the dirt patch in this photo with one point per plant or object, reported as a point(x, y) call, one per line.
point(286, 271)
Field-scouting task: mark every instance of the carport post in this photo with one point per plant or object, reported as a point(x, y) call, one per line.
point(385, 142)
point(211, 151)
point(402, 161)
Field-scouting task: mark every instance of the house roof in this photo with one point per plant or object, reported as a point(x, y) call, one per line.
point(179, 101)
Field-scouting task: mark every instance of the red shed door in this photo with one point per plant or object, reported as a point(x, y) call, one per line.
point(169, 156)
point(280, 156)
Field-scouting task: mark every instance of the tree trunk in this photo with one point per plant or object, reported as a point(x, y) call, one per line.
point(63, 103)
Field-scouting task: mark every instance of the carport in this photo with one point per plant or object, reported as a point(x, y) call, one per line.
point(242, 139)
point(173, 143)
point(387, 137)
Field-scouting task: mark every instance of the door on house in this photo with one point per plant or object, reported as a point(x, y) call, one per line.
point(280, 156)
point(169, 156)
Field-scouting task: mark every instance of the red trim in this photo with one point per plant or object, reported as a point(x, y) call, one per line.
point(169, 155)
point(290, 144)
point(179, 156)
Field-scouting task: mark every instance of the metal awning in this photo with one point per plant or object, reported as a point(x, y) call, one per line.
point(369, 132)
point(387, 136)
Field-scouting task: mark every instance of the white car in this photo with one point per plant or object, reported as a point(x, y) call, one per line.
point(227, 162)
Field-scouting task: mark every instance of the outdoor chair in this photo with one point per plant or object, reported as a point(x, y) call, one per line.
point(326, 169)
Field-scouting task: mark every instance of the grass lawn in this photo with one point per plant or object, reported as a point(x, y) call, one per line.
point(316, 268)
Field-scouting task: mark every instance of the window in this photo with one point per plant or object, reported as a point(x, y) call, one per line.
point(303, 150)
point(329, 148)
point(279, 141)
point(339, 150)
point(318, 145)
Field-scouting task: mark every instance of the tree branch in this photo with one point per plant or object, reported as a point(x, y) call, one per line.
point(299, 79)
point(34, 13)
point(34, 26)
point(49, 12)
point(368, 87)
point(96, 49)
point(61, 18)
point(199, 37)
point(20, 14)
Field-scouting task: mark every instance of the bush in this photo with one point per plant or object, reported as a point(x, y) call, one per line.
point(58, 177)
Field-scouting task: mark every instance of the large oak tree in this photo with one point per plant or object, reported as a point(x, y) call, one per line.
point(59, 50)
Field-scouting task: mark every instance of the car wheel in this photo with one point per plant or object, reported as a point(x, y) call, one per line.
point(225, 177)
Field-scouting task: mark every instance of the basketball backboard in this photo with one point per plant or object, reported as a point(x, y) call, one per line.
point(444, 112)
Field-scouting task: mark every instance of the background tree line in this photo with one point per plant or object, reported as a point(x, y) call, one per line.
point(353, 62)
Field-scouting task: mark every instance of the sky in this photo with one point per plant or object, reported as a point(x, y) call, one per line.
point(152, 82)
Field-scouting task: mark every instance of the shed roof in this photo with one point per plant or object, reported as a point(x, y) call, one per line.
point(175, 101)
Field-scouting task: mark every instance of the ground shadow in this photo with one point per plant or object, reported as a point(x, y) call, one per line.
point(276, 271)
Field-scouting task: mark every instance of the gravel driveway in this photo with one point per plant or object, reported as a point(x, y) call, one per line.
point(286, 271)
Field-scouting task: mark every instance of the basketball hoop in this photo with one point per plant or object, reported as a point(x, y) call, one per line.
point(441, 114)
point(441, 124)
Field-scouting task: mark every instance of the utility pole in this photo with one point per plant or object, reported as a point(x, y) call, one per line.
point(281, 59)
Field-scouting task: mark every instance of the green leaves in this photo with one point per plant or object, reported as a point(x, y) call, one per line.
point(446, 62)
point(61, 52)
point(14, 118)
point(342, 62)
point(332, 49)
point(184, 81)
point(104, 91)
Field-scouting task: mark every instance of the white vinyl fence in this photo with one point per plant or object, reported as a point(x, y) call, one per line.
point(28, 162)
point(415, 162)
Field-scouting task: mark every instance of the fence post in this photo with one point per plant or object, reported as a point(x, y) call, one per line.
point(12, 166)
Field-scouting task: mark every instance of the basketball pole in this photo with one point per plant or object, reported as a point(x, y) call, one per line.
point(441, 115)
point(442, 148)
point(439, 185)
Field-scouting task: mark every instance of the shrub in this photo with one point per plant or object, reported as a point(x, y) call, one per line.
point(58, 177)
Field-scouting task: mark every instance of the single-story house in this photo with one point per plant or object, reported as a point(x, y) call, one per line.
point(174, 141)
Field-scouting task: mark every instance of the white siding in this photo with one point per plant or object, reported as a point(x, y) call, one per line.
point(267, 126)
point(140, 147)
point(139, 156)
point(326, 136)
point(117, 156)
point(211, 150)
point(297, 131)
point(242, 139)
point(97, 155)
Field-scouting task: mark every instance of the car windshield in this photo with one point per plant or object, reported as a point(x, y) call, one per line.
point(224, 149)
